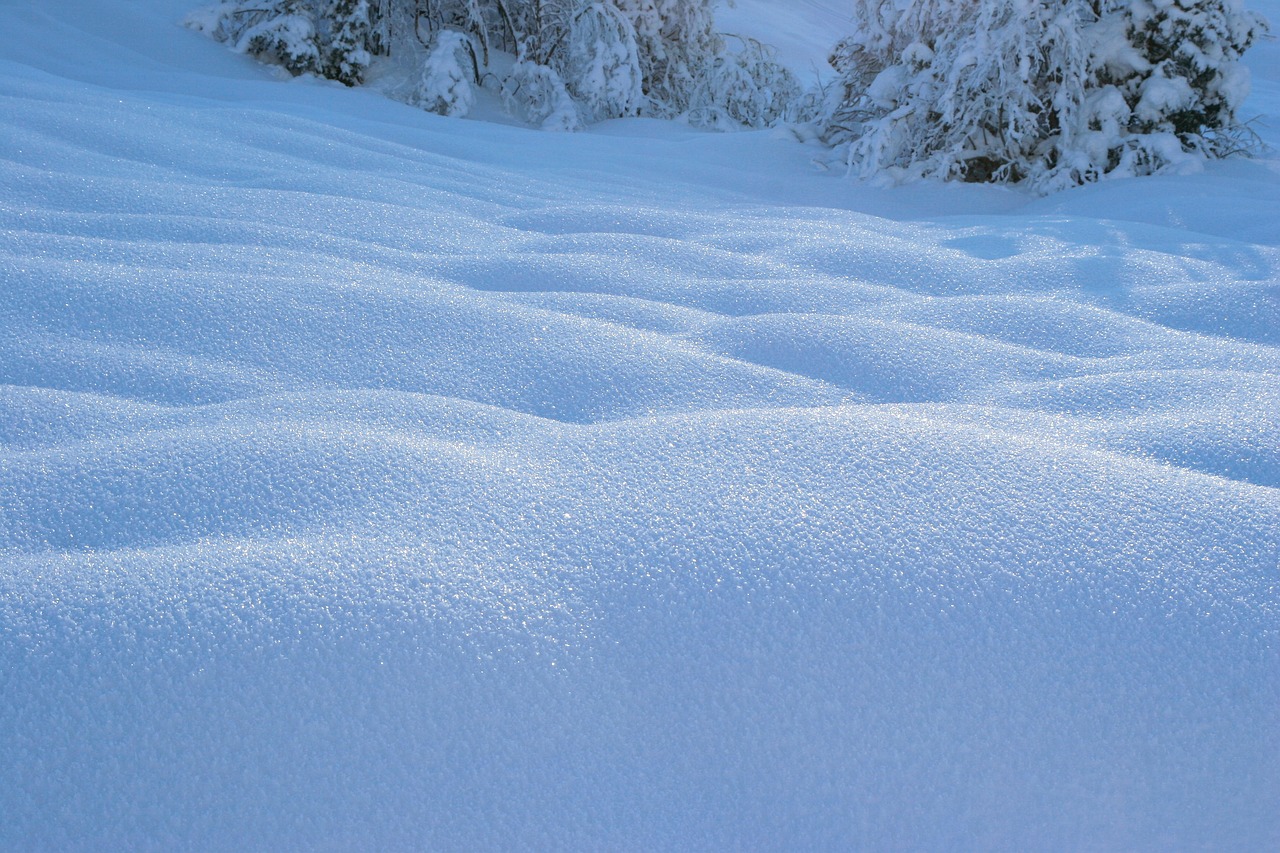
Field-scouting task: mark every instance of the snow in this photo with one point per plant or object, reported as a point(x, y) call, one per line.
point(801, 31)
point(371, 479)
point(444, 87)
point(1161, 95)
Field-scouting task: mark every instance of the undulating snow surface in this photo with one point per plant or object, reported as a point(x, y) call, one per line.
point(376, 480)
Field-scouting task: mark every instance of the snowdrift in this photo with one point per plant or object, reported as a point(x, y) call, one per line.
point(376, 480)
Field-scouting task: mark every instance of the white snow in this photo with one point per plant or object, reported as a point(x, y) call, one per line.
point(1162, 95)
point(371, 479)
point(801, 31)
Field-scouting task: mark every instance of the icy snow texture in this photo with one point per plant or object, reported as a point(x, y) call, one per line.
point(376, 480)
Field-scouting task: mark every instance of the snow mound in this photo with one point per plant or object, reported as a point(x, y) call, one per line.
point(372, 479)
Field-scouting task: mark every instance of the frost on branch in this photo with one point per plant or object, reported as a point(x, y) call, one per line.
point(1052, 93)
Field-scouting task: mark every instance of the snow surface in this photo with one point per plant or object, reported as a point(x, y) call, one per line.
point(802, 32)
point(376, 480)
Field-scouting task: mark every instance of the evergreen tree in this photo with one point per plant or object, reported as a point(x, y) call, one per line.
point(348, 53)
point(1049, 92)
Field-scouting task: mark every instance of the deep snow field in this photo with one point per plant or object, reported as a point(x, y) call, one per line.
point(371, 480)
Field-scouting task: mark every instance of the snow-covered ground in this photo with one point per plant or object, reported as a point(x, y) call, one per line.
point(375, 480)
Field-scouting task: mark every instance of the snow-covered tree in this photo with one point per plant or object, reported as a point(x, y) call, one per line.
point(448, 74)
point(1050, 92)
point(281, 32)
point(430, 17)
point(567, 62)
point(676, 43)
point(536, 94)
point(746, 86)
point(600, 63)
point(347, 53)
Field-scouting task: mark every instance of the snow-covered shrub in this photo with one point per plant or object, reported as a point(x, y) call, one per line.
point(1194, 80)
point(677, 43)
point(1050, 92)
point(281, 32)
point(564, 63)
point(747, 87)
point(593, 47)
point(535, 94)
point(448, 76)
point(600, 63)
point(423, 19)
